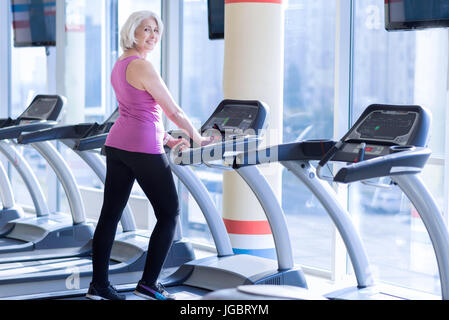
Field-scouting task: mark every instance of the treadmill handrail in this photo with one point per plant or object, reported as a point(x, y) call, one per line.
point(399, 163)
point(14, 132)
point(213, 152)
point(90, 143)
point(55, 133)
point(293, 151)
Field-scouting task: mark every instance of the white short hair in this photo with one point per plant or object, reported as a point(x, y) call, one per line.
point(127, 39)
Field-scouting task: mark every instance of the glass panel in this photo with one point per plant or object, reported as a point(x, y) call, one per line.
point(308, 114)
point(86, 83)
point(399, 68)
point(202, 78)
point(28, 79)
point(84, 52)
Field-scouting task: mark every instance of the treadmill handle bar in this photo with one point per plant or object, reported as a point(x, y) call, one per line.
point(404, 162)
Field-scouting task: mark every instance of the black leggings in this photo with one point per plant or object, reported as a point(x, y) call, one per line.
point(154, 176)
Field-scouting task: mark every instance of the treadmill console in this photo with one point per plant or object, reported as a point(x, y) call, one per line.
point(236, 118)
point(43, 107)
point(43, 111)
point(381, 127)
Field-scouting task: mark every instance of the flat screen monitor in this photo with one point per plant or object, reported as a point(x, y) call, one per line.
point(416, 14)
point(34, 22)
point(216, 16)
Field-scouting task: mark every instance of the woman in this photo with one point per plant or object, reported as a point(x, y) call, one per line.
point(135, 151)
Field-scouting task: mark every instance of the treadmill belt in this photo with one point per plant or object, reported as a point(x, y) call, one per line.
point(32, 263)
point(180, 292)
point(21, 268)
point(15, 269)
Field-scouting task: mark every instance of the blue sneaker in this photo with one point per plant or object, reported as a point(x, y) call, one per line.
point(152, 292)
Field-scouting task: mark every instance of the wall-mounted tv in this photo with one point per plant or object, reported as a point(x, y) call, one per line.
point(416, 14)
point(215, 16)
point(34, 22)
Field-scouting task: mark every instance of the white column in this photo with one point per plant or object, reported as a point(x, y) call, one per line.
point(74, 66)
point(253, 70)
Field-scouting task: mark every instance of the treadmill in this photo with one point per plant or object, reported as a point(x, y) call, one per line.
point(64, 278)
point(11, 210)
point(241, 123)
point(386, 141)
point(391, 141)
point(91, 137)
point(46, 230)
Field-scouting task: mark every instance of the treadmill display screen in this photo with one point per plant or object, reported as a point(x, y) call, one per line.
point(233, 117)
point(386, 125)
point(40, 109)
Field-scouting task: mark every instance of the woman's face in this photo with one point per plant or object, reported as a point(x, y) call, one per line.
point(147, 35)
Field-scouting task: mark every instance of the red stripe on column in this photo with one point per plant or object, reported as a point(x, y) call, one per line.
point(247, 227)
point(255, 1)
point(19, 24)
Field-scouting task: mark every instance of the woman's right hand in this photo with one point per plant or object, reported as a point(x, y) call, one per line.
point(209, 140)
point(181, 144)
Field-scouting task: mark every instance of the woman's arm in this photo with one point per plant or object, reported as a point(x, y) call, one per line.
point(143, 72)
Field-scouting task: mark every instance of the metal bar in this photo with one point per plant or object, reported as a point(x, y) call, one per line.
point(432, 217)
point(65, 176)
point(210, 212)
point(340, 217)
point(27, 175)
point(274, 213)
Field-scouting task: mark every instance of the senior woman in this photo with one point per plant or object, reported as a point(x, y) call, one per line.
point(135, 151)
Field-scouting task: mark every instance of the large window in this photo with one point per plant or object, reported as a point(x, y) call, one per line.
point(308, 114)
point(85, 80)
point(408, 67)
point(28, 78)
point(201, 92)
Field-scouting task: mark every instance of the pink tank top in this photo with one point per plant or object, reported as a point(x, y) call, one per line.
point(139, 127)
